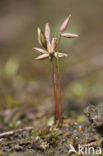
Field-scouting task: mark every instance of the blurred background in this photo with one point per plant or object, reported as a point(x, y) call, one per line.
point(25, 84)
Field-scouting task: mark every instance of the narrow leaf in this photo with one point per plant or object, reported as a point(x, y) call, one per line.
point(69, 35)
point(53, 45)
point(49, 46)
point(58, 54)
point(47, 32)
point(65, 24)
point(41, 38)
point(38, 32)
point(40, 50)
point(42, 57)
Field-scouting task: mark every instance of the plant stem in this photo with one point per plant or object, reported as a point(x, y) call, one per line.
point(59, 84)
point(55, 92)
point(59, 89)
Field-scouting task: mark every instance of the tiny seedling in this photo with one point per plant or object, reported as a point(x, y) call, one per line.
point(50, 51)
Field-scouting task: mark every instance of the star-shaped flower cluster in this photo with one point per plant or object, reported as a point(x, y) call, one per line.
point(50, 48)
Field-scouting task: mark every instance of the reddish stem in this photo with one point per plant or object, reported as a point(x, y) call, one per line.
point(55, 92)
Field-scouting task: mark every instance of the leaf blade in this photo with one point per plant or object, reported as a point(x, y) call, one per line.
point(42, 57)
point(65, 24)
point(59, 54)
point(47, 32)
point(41, 38)
point(69, 35)
point(53, 45)
point(40, 50)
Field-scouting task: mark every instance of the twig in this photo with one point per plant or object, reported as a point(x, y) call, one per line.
point(5, 134)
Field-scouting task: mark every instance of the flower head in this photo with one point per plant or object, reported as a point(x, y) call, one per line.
point(50, 50)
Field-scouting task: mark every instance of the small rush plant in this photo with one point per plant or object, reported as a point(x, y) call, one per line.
point(50, 51)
